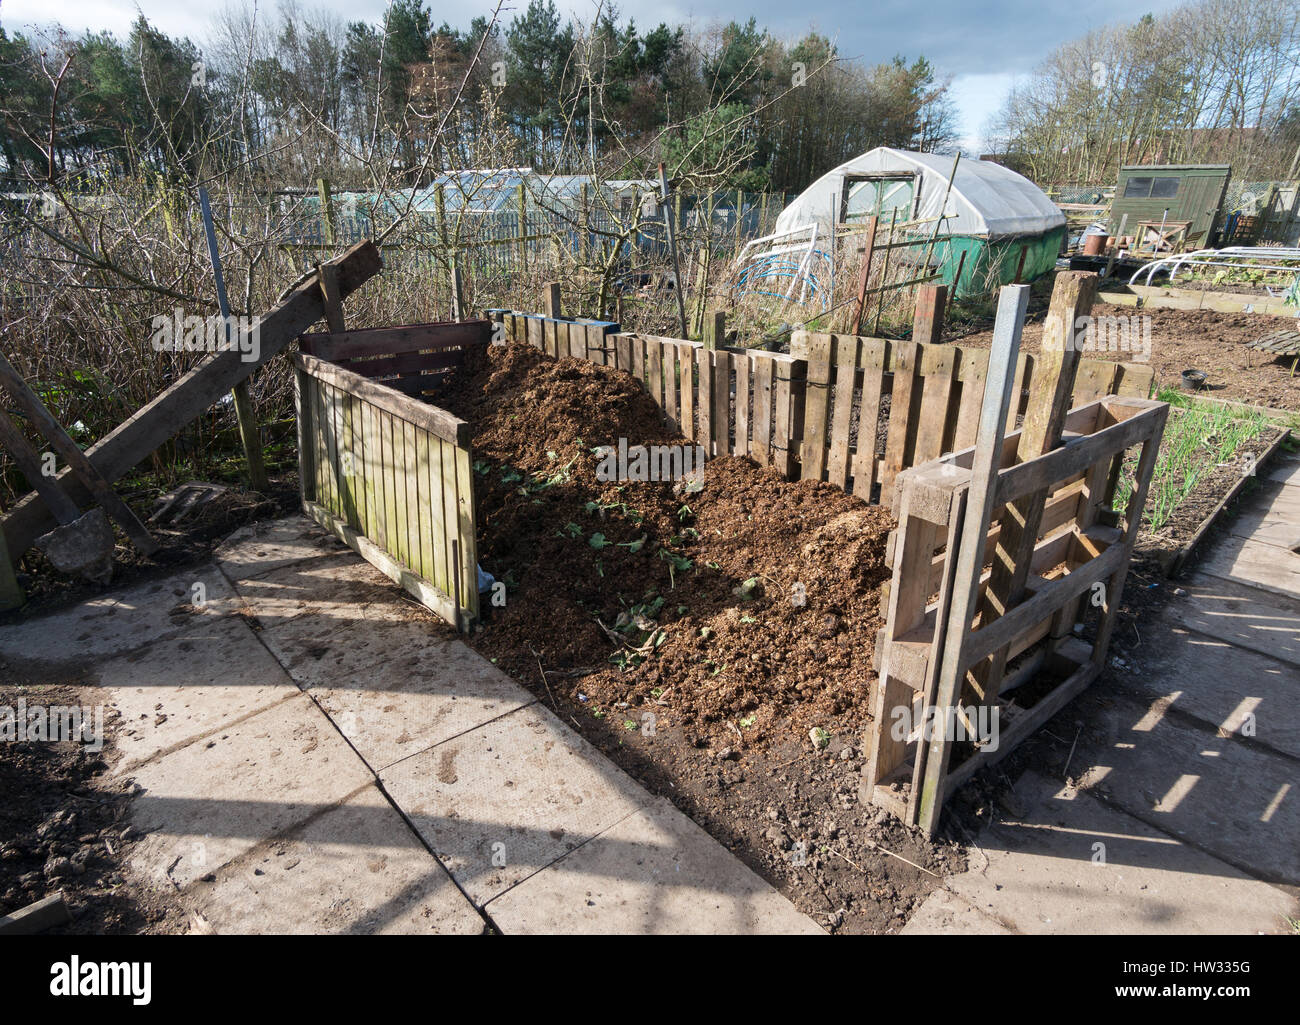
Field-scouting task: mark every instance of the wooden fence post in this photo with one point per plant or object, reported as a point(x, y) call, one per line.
point(864, 275)
point(930, 304)
point(715, 329)
point(553, 300)
point(523, 227)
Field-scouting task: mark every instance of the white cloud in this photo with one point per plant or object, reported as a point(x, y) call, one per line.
point(978, 97)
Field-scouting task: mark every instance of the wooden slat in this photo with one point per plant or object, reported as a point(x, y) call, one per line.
point(761, 446)
point(721, 415)
point(465, 531)
point(670, 379)
point(873, 355)
point(450, 516)
point(905, 396)
point(440, 577)
point(816, 407)
point(940, 370)
point(654, 351)
point(706, 398)
point(393, 341)
point(1095, 378)
point(638, 358)
point(742, 363)
point(686, 368)
point(973, 365)
point(787, 413)
point(846, 373)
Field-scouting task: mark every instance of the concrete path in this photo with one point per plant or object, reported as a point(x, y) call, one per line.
point(1182, 809)
point(315, 753)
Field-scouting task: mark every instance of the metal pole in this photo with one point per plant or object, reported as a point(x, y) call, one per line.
point(249, 433)
point(670, 231)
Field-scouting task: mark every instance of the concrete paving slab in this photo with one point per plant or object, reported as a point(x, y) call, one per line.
point(1046, 873)
point(654, 873)
point(1231, 689)
point(1240, 616)
point(946, 914)
point(1285, 471)
point(1237, 802)
point(262, 547)
point(358, 869)
point(122, 620)
point(509, 798)
point(212, 801)
point(1248, 561)
point(340, 589)
point(184, 687)
point(411, 694)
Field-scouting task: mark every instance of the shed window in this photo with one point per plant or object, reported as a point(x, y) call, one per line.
point(1164, 188)
point(1151, 188)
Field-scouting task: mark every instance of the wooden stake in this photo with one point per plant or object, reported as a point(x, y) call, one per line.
point(927, 326)
point(553, 300)
point(865, 274)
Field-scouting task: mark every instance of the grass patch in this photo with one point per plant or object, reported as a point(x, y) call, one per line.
point(1197, 440)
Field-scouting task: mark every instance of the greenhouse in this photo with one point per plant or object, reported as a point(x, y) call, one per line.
point(1003, 224)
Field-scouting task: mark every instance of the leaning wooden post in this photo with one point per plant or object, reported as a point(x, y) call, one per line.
point(1049, 401)
point(930, 304)
point(671, 231)
point(864, 277)
point(457, 292)
point(249, 432)
point(1012, 303)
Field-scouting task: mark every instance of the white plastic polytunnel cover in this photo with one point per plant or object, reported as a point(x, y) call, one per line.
point(987, 199)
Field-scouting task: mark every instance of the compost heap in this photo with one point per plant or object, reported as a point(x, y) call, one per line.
point(739, 602)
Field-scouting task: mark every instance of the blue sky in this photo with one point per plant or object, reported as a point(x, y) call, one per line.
point(984, 46)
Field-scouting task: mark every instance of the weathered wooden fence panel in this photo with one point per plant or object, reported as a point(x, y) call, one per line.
point(390, 475)
point(851, 410)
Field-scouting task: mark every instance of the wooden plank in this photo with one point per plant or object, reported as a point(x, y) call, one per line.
point(706, 397)
point(1095, 378)
point(686, 367)
point(423, 415)
point(37, 917)
point(450, 518)
point(440, 574)
point(411, 475)
point(972, 369)
point(654, 351)
point(927, 325)
point(761, 446)
point(816, 407)
point(846, 374)
point(873, 356)
point(28, 461)
point(904, 399)
point(1024, 377)
point(939, 364)
point(358, 443)
point(670, 376)
point(383, 366)
point(465, 530)
point(377, 499)
point(721, 414)
point(596, 345)
point(638, 358)
point(536, 333)
point(623, 352)
point(742, 364)
point(785, 438)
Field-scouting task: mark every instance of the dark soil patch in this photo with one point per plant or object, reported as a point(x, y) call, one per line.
point(1195, 339)
point(694, 631)
point(64, 826)
point(191, 541)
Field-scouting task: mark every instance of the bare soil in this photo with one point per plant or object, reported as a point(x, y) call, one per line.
point(63, 827)
point(1200, 340)
point(696, 636)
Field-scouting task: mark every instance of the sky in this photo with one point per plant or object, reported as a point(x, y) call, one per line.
point(984, 46)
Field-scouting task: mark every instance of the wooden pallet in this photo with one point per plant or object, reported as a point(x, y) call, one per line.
point(1278, 343)
point(1001, 550)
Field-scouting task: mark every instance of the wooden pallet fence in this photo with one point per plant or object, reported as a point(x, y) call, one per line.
point(803, 413)
point(913, 402)
point(559, 336)
point(414, 359)
point(924, 678)
point(391, 476)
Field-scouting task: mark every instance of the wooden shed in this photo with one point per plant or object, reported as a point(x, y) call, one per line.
point(1186, 196)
